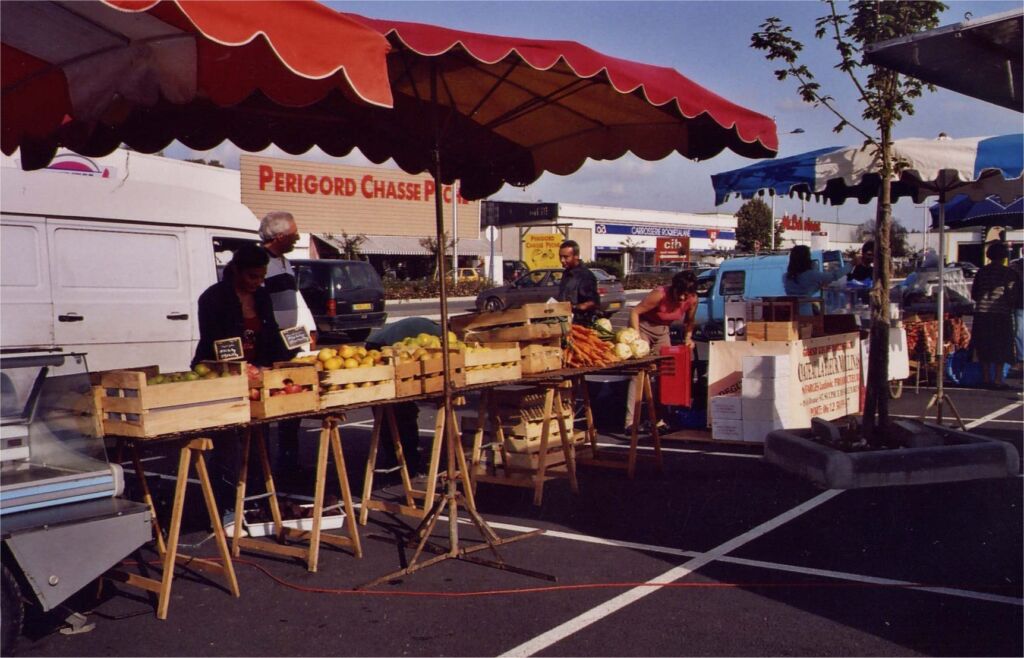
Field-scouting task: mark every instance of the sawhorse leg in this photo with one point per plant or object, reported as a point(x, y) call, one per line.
point(330, 441)
point(162, 588)
point(646, 399)
point(385, 416)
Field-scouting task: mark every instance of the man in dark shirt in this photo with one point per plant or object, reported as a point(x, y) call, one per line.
point(578, 285)
point(865, 269)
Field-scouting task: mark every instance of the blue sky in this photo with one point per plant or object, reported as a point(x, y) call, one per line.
point(709, 43)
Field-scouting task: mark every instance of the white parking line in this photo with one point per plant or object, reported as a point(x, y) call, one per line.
point(918, 416)
point(761, 564)
point(593, 615)
point(682, 450)
point(995, 414)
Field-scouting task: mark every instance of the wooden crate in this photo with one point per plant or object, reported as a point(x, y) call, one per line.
point(269, 406)
point(527, 322)
point(530, 460)
point(540, 358)
point(499, 362)
point(408, 379)
point(131, 407)
point(366, 385)
point(419, 377)
point(777, 331)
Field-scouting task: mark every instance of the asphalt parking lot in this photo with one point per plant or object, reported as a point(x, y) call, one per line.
point(720, 554)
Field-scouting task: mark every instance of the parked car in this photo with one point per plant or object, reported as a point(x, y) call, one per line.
point(968, 269)
point(541, 285)
point(466, 274)
point(613, 295)
point(512, 270)
point(345, 297)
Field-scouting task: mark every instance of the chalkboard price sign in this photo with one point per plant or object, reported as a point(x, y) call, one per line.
point(228, 349)
point(295, 337)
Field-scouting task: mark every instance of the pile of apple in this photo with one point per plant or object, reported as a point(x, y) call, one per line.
point(200, 371)
point(255, 376)
point(289, 388)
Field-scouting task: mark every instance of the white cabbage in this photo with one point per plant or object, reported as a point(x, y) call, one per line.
point(627, 335)
point(623, 351)
point(640, 347)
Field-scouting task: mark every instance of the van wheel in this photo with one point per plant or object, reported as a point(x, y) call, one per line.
point(493, 304)
point(13, 612)
point(358, 335)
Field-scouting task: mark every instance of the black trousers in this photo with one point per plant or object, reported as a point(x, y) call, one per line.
point(407, 419)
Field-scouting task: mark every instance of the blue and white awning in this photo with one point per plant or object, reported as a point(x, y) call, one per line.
point(979, 167)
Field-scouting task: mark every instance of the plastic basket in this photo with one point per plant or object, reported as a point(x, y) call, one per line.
point(675, 376)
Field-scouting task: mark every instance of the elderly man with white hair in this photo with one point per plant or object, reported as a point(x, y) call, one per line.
point(279, 234)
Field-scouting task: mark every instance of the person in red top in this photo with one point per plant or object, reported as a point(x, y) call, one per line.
point(653, 315)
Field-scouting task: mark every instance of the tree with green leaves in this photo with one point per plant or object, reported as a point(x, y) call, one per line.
point(753, 227)
point(885, 97)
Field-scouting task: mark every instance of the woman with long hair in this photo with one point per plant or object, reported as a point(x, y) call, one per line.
point(653, 316)
point(802, 279)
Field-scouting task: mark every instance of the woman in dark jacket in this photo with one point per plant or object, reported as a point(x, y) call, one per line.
point(240, 307)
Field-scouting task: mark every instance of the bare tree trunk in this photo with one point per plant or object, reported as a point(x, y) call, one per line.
point(876, 405)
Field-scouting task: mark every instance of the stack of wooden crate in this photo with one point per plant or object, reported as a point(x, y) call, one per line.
point(520, 410)
point(426, 375)
point(538, 328)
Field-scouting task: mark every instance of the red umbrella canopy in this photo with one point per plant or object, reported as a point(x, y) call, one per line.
point(91, 75)
point(509, 109)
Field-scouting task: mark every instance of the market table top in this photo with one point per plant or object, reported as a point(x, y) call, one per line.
point(535, 378)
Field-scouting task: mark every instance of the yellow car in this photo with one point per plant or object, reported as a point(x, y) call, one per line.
point(466, 274)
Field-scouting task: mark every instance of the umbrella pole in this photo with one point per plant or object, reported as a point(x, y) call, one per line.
point(451, 498)
point(941, 398)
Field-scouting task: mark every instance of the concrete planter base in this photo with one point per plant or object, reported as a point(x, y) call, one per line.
point(939, 455)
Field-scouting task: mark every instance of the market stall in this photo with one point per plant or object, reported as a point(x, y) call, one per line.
point(229, 400)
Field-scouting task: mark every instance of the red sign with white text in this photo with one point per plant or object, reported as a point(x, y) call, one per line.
point(672, 250)
point(795, 223)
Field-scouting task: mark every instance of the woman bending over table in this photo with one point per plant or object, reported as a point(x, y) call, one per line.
point(652, 318)
point(240, 307)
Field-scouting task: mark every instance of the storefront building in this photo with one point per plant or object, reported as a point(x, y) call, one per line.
point(636, 239)
point(393, 212)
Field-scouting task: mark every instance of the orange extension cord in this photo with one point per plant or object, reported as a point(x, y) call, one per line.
point(584, 586)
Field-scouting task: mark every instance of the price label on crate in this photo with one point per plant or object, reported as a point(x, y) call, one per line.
point(228, 349)
point(295, 337)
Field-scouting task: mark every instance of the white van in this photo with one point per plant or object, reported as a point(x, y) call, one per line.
point(108, 256)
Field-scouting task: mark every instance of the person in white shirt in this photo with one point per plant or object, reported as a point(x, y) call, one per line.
point(279, 233)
